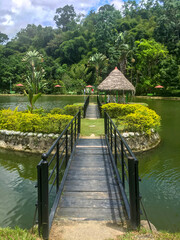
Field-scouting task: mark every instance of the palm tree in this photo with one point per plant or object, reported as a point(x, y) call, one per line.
point(99, 61)
point(124, 50)
point(34, 76)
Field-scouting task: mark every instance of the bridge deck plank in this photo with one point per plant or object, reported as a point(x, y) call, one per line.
point(91, 191)
point(92, 111)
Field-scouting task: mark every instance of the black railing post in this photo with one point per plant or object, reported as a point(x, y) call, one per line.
point(71, 136)
point(111, 132)
point(115, 147)
point(107, 128)
point(75, 129)
point(134, 192)
point(39, 184)
point(57, 167)
point(66, 147)
point(85, 106)
point(99, 106)
point(84, 115)
point(122, 163)
point(105, 122)
point(79, 122)
point(45, 197)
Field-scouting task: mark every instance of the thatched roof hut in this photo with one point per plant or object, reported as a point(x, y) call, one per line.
point(116, 81)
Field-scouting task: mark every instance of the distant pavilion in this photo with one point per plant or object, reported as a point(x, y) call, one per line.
point(115, 87)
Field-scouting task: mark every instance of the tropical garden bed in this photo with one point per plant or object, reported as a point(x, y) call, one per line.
point(34, 131)
point(138, 124)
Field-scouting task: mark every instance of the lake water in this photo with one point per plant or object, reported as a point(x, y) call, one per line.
point(46, 102)
point(158, 168)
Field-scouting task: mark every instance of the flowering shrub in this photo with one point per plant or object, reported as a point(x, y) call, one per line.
point(28, 122)
point(134, 117)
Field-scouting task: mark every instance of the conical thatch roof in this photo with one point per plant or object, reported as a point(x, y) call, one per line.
point(116, 81)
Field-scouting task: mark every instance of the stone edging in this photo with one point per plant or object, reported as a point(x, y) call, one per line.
point(39, 143)
point(28, 141)
point(140, 142)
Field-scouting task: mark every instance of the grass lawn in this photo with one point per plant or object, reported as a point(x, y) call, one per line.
point(145, 234)
point(17, 234)
point(92, 126)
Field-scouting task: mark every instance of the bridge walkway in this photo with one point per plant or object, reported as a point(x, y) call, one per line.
point(92, 111)
point(91, 191)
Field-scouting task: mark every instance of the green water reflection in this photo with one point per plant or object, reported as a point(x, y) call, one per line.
point(160, 169)
point(46, 102)
point(18, 194)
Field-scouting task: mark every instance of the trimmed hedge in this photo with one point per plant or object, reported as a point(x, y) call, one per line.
point(68, 109)
point(115, 110)
point(28, 122)
point(71, 110)
point(134, 117)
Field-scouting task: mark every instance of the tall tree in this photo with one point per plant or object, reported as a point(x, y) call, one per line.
point(3, 37)
point(105, 31)
point(65, 18)
point(123, 49)
point(149, 53)
point(167, 30)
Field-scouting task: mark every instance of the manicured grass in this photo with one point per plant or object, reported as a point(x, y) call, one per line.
point(16, 234)
point(145, 234)
point(92, 126)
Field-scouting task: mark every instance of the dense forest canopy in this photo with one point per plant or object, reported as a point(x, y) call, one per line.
point(142, 40)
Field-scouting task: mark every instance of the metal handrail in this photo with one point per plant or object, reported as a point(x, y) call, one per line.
point(99, 106)
point(125, 165)
point(86, 103)
point(52, 171)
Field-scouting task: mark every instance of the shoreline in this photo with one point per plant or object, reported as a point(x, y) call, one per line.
point(95, 95)
point(160, 98)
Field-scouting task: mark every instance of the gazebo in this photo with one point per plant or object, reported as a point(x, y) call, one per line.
point(116, 84)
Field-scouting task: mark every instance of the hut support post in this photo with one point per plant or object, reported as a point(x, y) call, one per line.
point(105, 98)
point(126, 97)
point(116, 96)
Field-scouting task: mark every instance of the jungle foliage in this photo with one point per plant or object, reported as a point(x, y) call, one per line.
point(142, 40)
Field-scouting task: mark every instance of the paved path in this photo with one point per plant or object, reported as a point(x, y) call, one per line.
point(91, 191)
point(92, 111)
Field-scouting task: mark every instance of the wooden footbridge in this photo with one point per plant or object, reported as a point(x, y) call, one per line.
point(88, 178)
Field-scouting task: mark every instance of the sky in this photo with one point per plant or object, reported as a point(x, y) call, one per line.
point(16, 14)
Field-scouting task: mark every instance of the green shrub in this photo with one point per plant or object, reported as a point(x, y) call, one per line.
point(28, 122)
point(140, 122)
point(39, 111)
point(80, 105)
point(134, 117)
point(115, 110)
point(55, 123)
point(57, 111)
point(71, 109)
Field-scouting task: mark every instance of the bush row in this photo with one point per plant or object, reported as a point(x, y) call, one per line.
point(28, 122)
point(134, 117)
point(68, 109)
